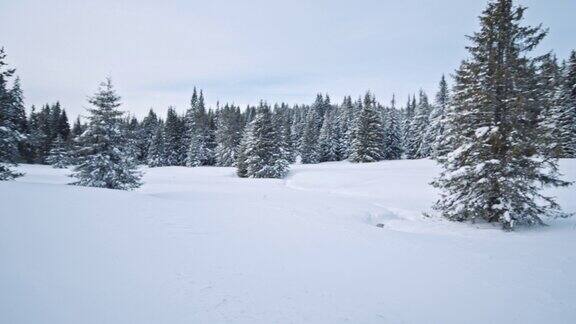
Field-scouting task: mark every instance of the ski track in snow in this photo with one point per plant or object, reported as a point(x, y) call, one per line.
point(199, 245)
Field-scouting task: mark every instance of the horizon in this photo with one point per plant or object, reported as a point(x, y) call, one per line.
point(241, 54)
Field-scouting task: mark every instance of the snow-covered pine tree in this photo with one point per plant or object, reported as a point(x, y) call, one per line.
point(494, 173)
point(77, 128)
point(59, 155)
point(367, 134)
point(309, 152)
point(566, 114)
point(156, 156)
point(297, 129)
point(418, 128)
point(146, 132)
point(392, 133)
point(437, 123)
point(228, 135)
point(408, 142)
point(173, 139)
point(20, 120)
point(102, 157)
point(263, 151)
point(197, 134)
point(282, 116)
point(344, 124)
point(241, 154)
point(328, 143)
point(132, 136)
point(549, 85)
point(63, 126)
point(10, 137)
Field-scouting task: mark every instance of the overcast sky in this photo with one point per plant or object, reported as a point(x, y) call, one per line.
point(244, 51)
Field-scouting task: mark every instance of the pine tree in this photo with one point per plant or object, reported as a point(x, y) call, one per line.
point(566, 110)
point(241, 153)
point(173, 139)
point(63, 129)
point(19, 110)
point(263, 156)
point(494, 173)
point(344, 123)
point(228, 135)
point(197, 133)
point(59, 156)
point(146, 132)
point(392, 133)
point(409, 144)
point(10, 137)
point(132, 136)
point(103, 158)
point(438, 116)
point(367, 136)
point(283, 120)
point(20, 120)
point(309, 143)
point(549, 85)
point(77, 128)
point(156, 153)
point(328, 144)
point(420, 148)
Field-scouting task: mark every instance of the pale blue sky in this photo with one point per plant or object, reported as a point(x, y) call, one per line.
point(244, 51)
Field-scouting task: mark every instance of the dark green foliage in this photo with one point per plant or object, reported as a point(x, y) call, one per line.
point(367, 134)
point(10, 122)
point(262, 155)
point(495, 171)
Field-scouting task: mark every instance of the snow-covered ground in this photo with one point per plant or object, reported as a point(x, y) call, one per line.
point(198, 245)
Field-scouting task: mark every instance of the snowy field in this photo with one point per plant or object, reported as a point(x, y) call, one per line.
point(198, 245)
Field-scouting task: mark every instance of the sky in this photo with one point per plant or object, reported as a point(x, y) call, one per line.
point(246, 51)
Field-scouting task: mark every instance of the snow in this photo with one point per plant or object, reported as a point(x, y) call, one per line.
point(199, 245)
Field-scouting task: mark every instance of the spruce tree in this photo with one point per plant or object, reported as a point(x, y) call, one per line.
point(410, 145)
point(420, 148)
point(103, 160)
point(63, 126)
point(437, 123)
point(173, 139)
point(328, 144)
point(367, 134)
point(77, 128)
point(146, 132)
point(344, 123)
point(392, 133)
point(566, 112)
point(549, 85)
point(263, 156)
point(309, 152)
point(197, 134)
point(59, 155)
point(228, 135)
point(20, 120)
point(283, 117)
point(241, 153)
point(156, 153)
point(494, 172)
point(10, 136)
